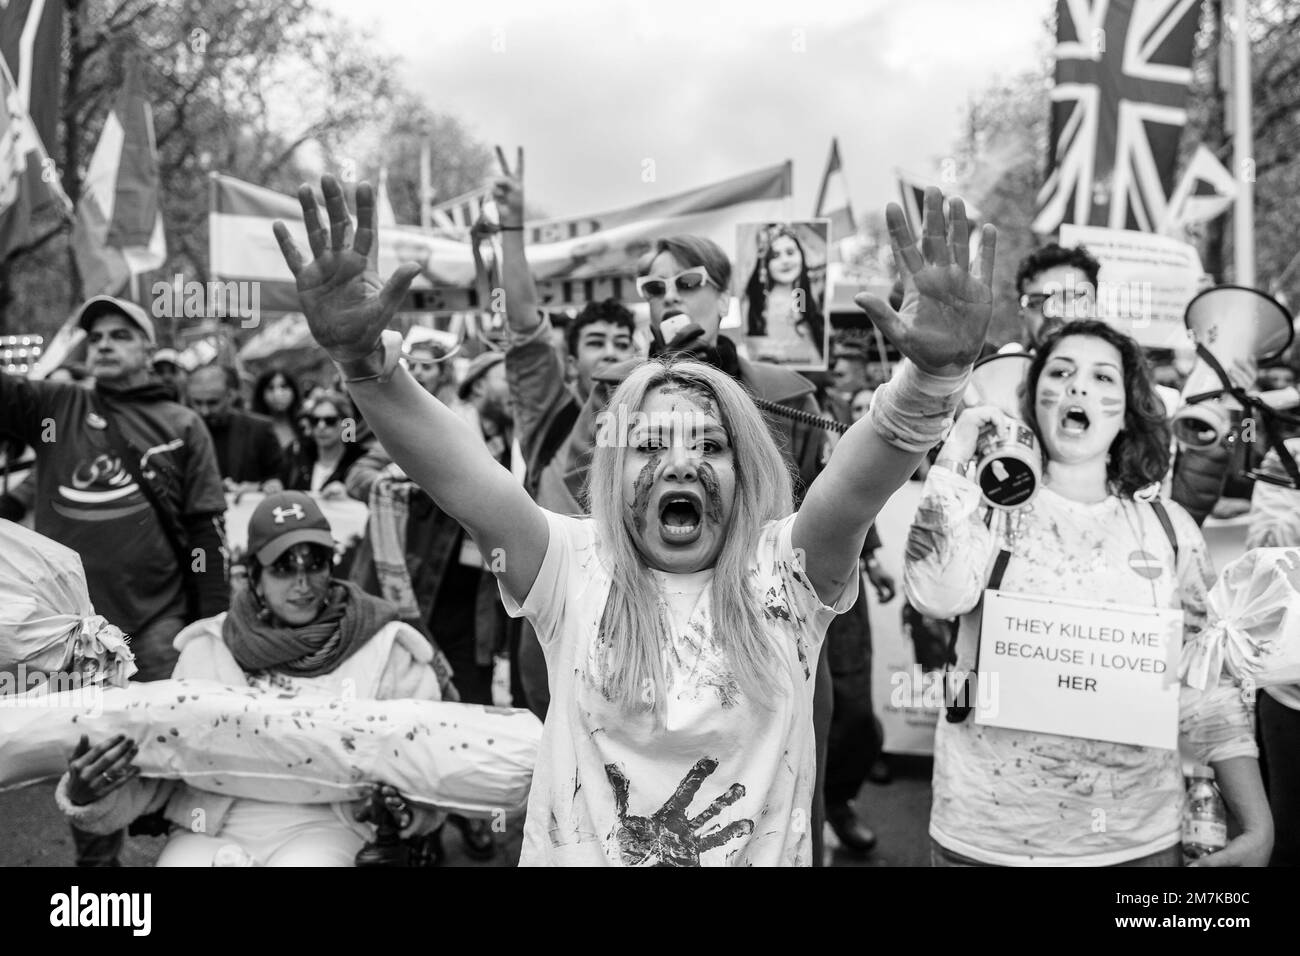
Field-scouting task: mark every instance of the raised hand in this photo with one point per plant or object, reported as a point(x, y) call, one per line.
point(942, 327)
point(346, 304)
point(669, 837)
point(508, 189)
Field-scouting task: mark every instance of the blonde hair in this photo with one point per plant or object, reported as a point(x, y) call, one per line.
point(633, 626)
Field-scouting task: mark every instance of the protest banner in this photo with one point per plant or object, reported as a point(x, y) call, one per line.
point(566, 256)
point(1081, 669)
point(1145, 283)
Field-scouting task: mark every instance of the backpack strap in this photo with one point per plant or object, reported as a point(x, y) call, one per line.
point(999, 569)
point(1162, 514)
point(956, 713)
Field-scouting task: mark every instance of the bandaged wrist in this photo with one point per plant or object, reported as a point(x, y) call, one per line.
point(378, 365)
point(913, 411)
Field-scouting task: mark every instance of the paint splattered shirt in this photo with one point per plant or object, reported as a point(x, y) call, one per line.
point(1016, 798)
point(715, 779)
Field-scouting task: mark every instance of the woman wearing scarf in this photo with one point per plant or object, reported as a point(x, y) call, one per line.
point(294, 630)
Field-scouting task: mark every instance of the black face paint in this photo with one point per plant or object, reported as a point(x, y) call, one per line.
point(712, 491)
point(641, 491)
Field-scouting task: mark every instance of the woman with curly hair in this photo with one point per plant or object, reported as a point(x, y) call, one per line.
point(784, 322)
point(1007, 797)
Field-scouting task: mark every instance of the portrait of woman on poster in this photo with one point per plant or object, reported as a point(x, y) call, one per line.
point(784, 320)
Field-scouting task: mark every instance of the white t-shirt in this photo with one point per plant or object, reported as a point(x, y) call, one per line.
point(715, 779)
point(1018, 798)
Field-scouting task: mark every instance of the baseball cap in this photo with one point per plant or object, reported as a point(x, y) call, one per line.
point(477, 369)
point(102, 305)
point(284, 519)
point(166, 357)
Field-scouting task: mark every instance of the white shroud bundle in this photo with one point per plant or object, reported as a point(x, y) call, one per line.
point(1254, 631)
point(291, 749)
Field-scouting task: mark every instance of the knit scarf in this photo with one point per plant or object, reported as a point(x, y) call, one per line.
point(259, 642)
point(390, 510)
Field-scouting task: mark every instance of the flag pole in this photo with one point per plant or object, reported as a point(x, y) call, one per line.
point(426, 185)
point(1244, 213)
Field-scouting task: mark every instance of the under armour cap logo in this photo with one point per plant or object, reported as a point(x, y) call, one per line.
point(281, 513)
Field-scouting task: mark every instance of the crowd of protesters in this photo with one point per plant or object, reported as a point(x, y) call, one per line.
point(666, 594)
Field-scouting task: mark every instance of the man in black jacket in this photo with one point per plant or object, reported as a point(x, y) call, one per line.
point(248, 453)
point(151, 568)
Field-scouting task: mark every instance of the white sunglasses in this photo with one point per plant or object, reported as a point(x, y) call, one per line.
point(653, 287)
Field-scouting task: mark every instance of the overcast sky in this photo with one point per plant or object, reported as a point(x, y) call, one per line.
point(706, 88)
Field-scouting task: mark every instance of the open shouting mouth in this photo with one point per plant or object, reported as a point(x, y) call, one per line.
point(681, 517)
point(1074, 420)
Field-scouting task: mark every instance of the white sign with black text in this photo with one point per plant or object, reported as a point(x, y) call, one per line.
point(1081, 669)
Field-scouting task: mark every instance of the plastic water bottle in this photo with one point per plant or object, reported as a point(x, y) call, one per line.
point(501, 694)
point(1205, 818)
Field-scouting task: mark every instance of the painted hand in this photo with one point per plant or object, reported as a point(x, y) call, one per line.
point(942, 327)
point(668, 837)
point(95, 772)
point(346, 305)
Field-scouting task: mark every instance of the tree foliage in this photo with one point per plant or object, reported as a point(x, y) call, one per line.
point(247, 88)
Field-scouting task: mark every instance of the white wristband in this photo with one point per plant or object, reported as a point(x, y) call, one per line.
point(913, 411)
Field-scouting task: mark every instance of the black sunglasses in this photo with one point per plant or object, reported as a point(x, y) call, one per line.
point(313, 561)
point(329, 421)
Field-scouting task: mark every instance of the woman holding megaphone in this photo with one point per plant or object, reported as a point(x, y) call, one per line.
point(1053, 795)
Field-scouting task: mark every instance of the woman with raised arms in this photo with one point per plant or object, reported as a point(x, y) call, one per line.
point(681, 622)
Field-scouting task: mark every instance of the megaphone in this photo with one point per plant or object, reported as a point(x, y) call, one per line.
point(1008, 462)
point(1235, 328)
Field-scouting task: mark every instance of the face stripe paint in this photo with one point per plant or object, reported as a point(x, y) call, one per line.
point(641, 498)
point(713, 493)
point(1112, 407)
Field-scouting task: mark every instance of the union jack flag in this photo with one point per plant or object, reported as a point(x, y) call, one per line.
point(1122, 72)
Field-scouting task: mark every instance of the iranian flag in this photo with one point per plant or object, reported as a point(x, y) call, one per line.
point(119, 227)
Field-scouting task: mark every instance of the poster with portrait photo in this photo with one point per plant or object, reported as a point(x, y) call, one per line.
point(780, 285)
